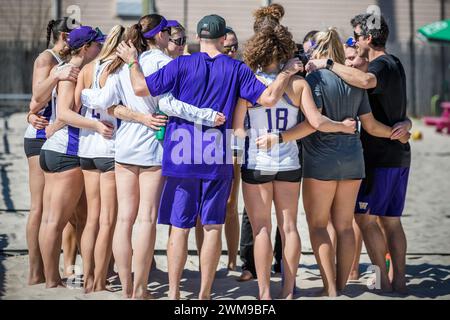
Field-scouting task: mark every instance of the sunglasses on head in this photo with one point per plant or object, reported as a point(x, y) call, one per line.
point(232, 48)
point(351, 42)
point(179, 42)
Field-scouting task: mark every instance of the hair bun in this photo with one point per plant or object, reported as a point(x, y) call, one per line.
point(275, 11)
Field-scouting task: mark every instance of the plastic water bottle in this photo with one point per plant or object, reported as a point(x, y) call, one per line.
point(162, 130)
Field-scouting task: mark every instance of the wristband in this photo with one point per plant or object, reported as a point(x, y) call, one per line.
point(132, 63)
point(280, 137)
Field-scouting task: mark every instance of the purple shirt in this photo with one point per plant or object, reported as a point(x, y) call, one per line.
point(217, 83)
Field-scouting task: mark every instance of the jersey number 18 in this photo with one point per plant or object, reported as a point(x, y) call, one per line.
point(281, 119)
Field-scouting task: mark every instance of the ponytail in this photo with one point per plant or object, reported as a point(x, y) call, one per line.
point(135, 35)
point(329, 45)
point(50, 25)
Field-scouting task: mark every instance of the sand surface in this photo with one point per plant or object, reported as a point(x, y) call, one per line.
point(426, 222)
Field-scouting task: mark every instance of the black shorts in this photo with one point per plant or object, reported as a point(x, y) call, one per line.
point(258, 177)
point(32, 147)
point(102, 164)
point(52, 161)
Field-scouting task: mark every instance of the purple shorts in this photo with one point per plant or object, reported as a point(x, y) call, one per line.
point(183, 199)
point(383, 192)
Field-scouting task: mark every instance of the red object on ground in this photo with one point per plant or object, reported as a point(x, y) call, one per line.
point(442, 122)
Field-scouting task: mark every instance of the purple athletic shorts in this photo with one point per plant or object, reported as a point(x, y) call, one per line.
point(383, 192)
point(183, 199)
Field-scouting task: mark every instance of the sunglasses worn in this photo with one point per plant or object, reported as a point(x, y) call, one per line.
point(357, 35)
point(179, 42)
point(232, 48)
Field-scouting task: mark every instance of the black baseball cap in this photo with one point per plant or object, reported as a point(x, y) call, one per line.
point(211, 27)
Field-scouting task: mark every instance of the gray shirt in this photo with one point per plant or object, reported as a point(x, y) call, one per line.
point(335, 156)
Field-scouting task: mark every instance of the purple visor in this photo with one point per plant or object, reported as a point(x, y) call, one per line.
point(172, 23)
point(150, 34)
point(82, 35)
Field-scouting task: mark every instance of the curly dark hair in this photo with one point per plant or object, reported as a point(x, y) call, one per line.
point(268, 15)
point(272, 43)
point(379, 35)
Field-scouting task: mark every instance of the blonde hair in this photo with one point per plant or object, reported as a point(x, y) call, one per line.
point(329, 45)
point(114, 38)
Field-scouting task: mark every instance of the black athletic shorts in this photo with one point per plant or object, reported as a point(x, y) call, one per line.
point(32, 147)
point(102, 164)
point(52, 161)
point(258, 177)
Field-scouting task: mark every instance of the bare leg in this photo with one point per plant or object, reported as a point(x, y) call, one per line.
point(342, 213)
point(317, 199)
point(176, 258)
point(375, 245)
point(66, 190)
point(396, 240)
point(92, 187)
point(232, 220)
point(70, 246)
point(150, 185)
point(199, 238)
point(286, 196)
point(108, 217)
point(332, 232)
point(37, 182)
point(209, 258)
point(258, 203)
point(127, 178)
point(354, 273)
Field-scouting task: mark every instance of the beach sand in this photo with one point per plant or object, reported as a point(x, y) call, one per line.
point(426, 221)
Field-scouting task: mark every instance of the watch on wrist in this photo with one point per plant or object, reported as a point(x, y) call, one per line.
point(280, 137)
point(330, 64)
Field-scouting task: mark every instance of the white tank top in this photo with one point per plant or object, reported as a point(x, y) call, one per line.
point(135, 143)
point(65, 140)
point(260, 120)
point(47, 112)
point(92, 144)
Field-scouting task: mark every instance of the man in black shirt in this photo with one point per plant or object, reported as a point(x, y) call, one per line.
point(383, 192)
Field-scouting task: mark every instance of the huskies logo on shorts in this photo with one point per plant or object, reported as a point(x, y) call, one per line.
point(362, 205)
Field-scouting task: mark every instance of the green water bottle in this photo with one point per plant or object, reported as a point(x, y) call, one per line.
point(162, 130)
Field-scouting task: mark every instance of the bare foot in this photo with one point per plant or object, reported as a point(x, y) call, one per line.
point(232, 266)
point(265, 297)
point(174, 295)
point(386, 286)
point(354, 276)
point(288, 296)
point(400, 287)
point(99, 285)
point(142, 296)
point(36, 279)
point(332, 293)
point(55, 284)
point(88, 284)
point(245, 276)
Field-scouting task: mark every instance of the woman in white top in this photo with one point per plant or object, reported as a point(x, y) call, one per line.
point(58, 158)
point(39, 117)
point(275, 175)
point(138, 153)
point(97, 163)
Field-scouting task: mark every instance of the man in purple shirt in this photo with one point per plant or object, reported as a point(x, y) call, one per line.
point(197, 160)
